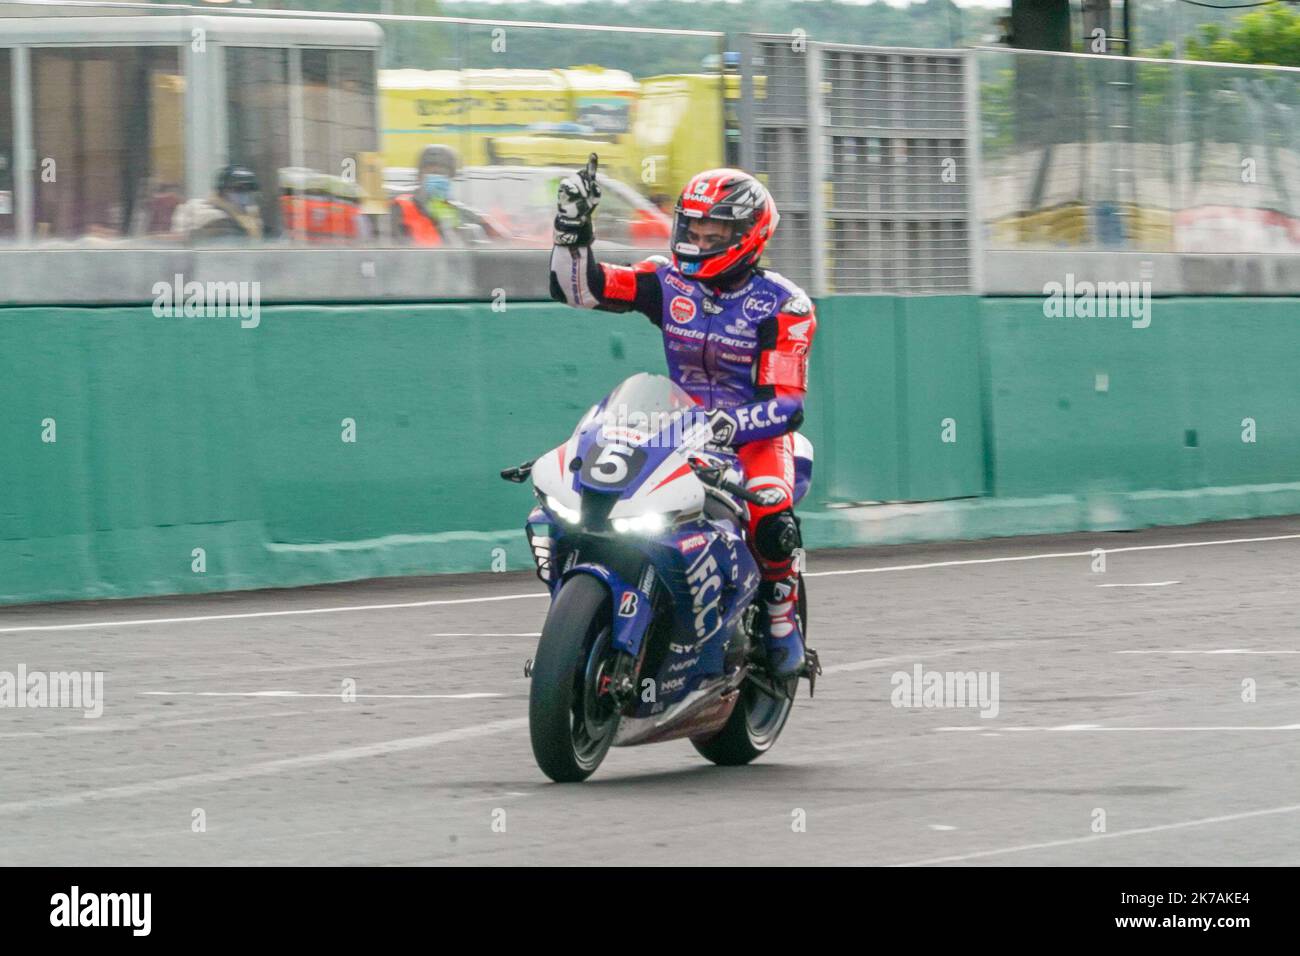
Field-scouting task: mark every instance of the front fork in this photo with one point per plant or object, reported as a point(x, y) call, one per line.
point(632, 611)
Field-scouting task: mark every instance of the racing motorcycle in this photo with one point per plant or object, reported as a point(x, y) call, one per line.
point(652, 632)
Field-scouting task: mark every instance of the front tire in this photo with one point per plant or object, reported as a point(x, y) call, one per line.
point(570, 724)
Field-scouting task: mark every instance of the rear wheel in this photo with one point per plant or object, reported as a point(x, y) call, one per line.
point(754, 724)
point(759, 716)
point(571, 722)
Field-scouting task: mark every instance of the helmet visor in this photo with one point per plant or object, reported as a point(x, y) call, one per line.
point(701, 237)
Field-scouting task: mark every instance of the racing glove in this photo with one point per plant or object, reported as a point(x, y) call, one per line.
point(579, 194)
point(723, 426)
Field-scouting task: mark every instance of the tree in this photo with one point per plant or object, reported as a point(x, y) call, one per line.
point(1269, 36)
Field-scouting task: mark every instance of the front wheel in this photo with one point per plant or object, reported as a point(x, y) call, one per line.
point(571, 722)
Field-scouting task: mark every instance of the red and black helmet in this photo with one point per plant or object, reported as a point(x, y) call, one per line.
point(722, 222)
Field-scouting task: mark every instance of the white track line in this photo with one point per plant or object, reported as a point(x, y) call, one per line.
point(237, 617)
point(521, 597)
point(265, 768)
point(1025, 847)
point(1146, 584)
point(296, 694)
point(153, 723)
point(1054, 554)
point(1226, 650)
point(914, 656)
point(1097, 728)
point(457, 634)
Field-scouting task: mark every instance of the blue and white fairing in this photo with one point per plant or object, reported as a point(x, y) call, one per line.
point(619, 501)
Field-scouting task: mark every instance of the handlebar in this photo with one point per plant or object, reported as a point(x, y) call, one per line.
point(712, 475)
point(519, 473)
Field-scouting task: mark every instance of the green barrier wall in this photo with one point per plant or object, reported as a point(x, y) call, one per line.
point(892, 379)
point(178, 434)
point(1084, 405)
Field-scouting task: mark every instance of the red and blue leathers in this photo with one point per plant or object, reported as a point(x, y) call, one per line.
point(741, 349)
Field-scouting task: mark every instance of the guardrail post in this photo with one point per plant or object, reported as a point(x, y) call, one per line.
point(816, 168)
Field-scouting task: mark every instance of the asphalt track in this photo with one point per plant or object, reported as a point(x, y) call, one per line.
point(1119, 691)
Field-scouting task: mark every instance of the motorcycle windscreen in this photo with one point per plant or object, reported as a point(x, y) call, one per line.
point(638, 425)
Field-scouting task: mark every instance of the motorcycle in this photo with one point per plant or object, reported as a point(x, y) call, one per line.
point(652, 632)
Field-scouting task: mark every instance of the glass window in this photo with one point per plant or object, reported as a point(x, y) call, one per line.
point(257, 125)
point(8, 201)
point(108, 128)
point(324, 203)
point(338, 91)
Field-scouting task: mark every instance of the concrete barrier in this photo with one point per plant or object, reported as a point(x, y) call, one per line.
point(143, 455)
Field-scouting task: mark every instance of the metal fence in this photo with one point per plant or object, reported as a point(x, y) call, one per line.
point(1155, 155)
point(1108, 168)
point(867, 147)
point(914, 171)
point(896, 170)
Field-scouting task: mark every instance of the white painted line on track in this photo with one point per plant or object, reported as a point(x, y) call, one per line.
point(298, 694)
point(265, 768)
point(1097, 728)
point(522, 597)
point(1225, 650)
point(1053, 554)
point(153, 723)
point(1116, 834)
point(1146, 584)
point(916, 656)
point(251, 614)
point(521, 634)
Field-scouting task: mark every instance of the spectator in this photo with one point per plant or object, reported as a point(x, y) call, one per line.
point(429, 216)
point(231, 213)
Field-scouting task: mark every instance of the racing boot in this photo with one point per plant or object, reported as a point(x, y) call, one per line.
point(779, 625)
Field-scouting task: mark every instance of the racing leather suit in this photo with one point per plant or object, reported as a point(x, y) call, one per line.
point(742, 350)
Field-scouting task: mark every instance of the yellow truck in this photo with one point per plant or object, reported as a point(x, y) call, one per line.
point(512, 117)
point(652, 134)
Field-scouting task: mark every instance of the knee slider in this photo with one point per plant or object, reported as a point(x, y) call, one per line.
point(777, 536)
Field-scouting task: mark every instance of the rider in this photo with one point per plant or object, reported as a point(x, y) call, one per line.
point(736, 338)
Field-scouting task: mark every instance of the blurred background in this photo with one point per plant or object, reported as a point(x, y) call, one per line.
point(378, 179)
point(911, 146)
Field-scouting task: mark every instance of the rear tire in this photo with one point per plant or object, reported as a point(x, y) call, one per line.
point(757, 719)
point(570, 726)
point(753, 727)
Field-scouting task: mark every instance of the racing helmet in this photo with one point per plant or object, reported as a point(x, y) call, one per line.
point(721, 224)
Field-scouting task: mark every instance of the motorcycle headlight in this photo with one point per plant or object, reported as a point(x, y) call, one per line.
point(647, 523)
point(562, 511)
